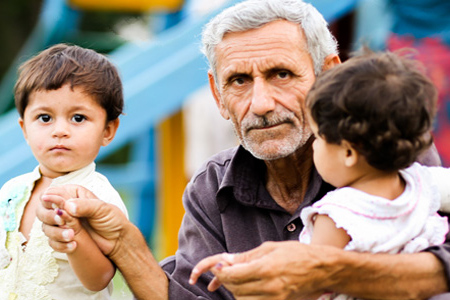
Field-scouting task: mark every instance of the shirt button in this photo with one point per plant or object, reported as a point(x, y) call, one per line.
point(291, 227)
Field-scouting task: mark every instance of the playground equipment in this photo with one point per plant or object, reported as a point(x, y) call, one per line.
point(129, 5)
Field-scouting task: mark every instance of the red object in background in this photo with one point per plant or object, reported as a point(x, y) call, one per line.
point(435, 56)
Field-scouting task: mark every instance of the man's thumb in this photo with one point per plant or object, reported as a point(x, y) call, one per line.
point(250, 255)
point(82, 208)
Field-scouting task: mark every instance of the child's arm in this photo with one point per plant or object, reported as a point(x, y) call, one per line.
point(325, 232)
point(91, 266)
point(440, 177)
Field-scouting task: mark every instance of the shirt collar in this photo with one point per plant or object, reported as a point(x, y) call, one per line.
point(244, 179)
point(75, 177)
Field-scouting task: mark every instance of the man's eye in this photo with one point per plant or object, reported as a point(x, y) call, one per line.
point(239, 80)
point(283, 74)
point(44, 118)
point(78, 118)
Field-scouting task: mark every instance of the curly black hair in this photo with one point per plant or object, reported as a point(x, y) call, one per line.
point(381, 103)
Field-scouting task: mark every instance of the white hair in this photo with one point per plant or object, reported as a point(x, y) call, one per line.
point(251, 14)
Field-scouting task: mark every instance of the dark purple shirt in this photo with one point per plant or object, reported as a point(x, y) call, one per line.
point(228, 209)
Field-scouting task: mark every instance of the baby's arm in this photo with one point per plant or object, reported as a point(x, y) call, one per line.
point(441, 177)
point(326, 233)
point(91, 266)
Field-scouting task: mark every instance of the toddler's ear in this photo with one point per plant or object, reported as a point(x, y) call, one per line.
point(24, 131)
point(350, 154)
point(110, 131)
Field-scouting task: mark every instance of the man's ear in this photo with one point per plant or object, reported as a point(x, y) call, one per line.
point(331, 61)
point(110, 131)
point(24, 131)
point(351, 156)
point(217, 97)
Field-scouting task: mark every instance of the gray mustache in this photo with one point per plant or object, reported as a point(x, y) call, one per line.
point(259, 122)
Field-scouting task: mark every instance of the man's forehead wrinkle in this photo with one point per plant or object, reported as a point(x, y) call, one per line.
point(261, 51)
point(258, 43)
point(261, 60)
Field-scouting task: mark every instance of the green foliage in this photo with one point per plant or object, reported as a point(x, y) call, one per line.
point(17, 19)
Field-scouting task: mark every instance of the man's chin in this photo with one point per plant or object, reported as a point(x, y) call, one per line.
point(269, 152)
point(276, 148)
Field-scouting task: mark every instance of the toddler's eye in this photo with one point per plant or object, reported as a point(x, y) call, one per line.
point(78, 118)
point(44, 118)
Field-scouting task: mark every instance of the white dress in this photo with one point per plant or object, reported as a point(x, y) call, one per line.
point(39, 272)
point(407, 224)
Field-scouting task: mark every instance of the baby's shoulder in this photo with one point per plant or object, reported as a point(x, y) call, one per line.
point(16, 186)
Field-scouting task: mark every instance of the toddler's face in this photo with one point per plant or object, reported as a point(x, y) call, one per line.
point(328, 159)
point(65, 129)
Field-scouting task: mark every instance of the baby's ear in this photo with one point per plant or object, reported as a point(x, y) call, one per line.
point(110, 131)
point(351, 156)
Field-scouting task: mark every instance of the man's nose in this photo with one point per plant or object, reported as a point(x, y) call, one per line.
point(262, 98)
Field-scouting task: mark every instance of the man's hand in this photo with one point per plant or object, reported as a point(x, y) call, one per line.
point(291, 270)
point(215, 262)
point(103, 221)
point(272, 271)
point(116, 237)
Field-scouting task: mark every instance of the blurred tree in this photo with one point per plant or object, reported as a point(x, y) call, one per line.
point(99, 30)
point(17, 19)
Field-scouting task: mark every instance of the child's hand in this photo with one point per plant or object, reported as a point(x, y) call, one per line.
point(62, 218)
point(104, 222)
point(69, 222)
point(55, 201)
point(213, 263)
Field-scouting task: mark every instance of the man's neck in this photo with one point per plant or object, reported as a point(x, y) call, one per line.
point(288, 178)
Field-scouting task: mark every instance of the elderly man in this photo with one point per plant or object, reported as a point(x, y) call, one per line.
point(264, 57)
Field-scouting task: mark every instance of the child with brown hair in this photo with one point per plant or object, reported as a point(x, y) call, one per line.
point(372, 117)
point(69, 101)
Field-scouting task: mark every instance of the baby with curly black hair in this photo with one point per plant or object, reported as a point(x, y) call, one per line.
point(372, 117)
